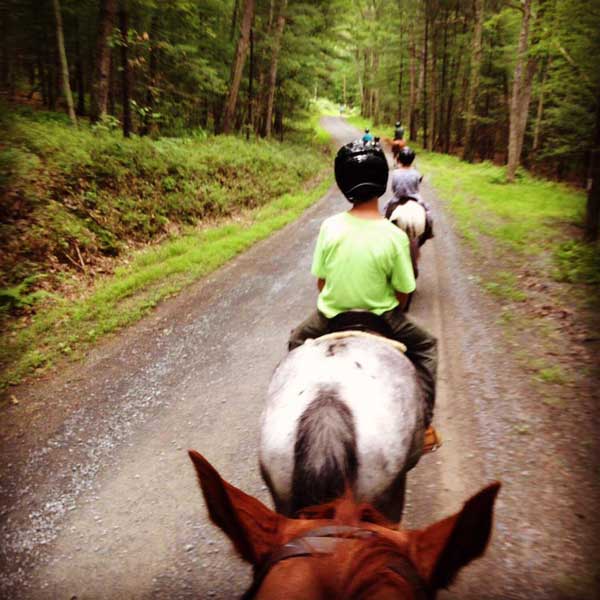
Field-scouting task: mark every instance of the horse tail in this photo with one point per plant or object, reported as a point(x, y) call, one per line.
point(325, 453)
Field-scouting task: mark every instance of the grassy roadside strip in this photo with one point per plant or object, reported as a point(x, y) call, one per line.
point(525, 238)
point(71, 327)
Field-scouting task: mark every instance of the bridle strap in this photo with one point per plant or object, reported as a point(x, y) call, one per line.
point(323, 540)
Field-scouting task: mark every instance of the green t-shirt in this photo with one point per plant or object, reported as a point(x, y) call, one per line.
point(363, 262)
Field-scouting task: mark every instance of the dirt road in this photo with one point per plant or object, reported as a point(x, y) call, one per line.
point(99, 499)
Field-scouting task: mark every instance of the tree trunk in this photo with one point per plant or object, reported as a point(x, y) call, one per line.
point(433, 84)
point(521, 94)
point(112, 86)
point(250, 119)
point(374, 90)
point(412, 94)
point(125, 69)
point(101, 76)
point(469, 147)
point(273, 68)
point(424, 73)
point(234, 19)
point(150, 125)
point(7, 52)
point(540, 108)
point(592, 212)
point(79, 79)
point(64, 66)
point(238, 65)
point(439, 142)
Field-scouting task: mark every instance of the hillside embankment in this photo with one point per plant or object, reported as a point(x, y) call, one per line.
point(96, 229)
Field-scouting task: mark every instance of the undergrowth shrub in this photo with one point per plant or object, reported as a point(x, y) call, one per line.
point(71, 196)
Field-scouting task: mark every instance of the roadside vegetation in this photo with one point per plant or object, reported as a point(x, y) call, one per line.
point(526, 240)
point(97, 229)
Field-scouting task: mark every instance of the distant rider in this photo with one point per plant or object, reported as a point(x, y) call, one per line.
point(399, 131)
point(406, 182)
point(398, 142)
point(362, 261)
point(367, 137)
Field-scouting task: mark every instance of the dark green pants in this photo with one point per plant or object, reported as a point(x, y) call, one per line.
point(421, 346)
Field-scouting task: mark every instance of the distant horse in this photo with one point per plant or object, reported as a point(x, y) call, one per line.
point(411, 217)
point(342, 412)
point(397, 145)
point(344, 549)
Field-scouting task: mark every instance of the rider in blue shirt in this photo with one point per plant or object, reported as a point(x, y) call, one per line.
point(367, 137)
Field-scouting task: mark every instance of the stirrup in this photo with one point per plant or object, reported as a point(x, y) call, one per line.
point(432, 440)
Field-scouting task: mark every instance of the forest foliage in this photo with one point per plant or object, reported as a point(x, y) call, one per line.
point(503, 80)
point(211, 95)
point(413, 61)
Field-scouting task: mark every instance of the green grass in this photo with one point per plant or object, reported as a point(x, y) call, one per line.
point(553, 374)
point(530, 218)
point(504, 285)
point(70, 327)
point(525, 237)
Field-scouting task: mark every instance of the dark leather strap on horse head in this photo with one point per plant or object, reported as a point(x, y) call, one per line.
point(324, 540)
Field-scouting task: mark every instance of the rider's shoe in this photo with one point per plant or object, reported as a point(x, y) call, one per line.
point(432, 440)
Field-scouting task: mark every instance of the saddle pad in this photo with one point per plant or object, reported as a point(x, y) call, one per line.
point(338, 335)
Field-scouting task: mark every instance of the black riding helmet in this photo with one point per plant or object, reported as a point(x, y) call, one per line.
point(397, 123)
point(361, 171)
point(406, 156)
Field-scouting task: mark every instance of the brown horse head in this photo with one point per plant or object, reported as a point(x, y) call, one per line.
point(342, 549)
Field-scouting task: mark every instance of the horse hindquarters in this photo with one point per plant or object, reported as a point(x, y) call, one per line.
point(341, 413)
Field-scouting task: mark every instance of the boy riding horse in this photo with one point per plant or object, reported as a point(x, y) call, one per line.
point(362, 262)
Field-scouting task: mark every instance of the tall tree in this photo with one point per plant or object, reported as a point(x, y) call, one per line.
point(238, 65)
point(521, 93)
point(125, 68)
point(64, 65)
point(101, 77)
point(273, 67)
point(469, 147)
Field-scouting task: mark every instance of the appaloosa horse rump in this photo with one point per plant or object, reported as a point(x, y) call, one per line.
point(342, 414)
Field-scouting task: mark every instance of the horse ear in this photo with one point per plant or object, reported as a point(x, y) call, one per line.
point(248, 523)
point(445, 547)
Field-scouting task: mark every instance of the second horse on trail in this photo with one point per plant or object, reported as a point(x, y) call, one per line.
point(342, 412)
